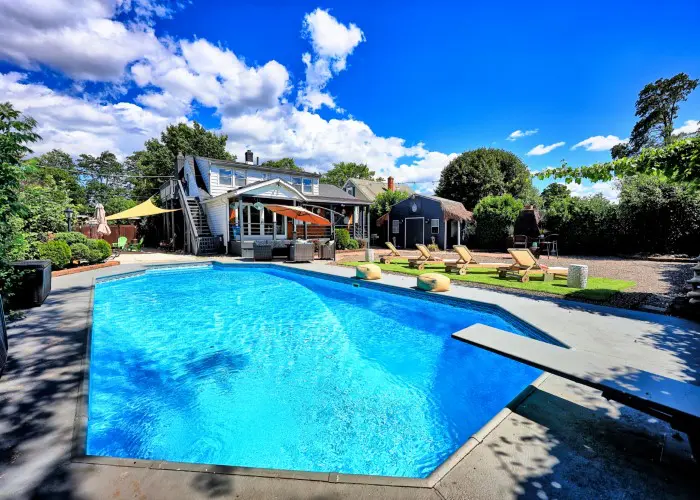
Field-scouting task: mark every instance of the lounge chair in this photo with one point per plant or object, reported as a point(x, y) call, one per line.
point(393, 254)
point(120, 243)
point(666, 399)
point(424, 257)
point(524, 263)
point(466, 261)
point(136, 247)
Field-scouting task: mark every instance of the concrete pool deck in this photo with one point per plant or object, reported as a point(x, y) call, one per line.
point(561, 441)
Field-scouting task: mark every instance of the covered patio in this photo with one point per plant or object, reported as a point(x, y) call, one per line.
point(244, 216)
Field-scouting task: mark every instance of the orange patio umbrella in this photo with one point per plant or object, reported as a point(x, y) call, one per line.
point(299, 213)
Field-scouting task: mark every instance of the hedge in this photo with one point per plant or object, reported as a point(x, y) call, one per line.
point(57, 251)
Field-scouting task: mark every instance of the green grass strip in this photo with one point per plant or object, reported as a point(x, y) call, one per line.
point(598, 289)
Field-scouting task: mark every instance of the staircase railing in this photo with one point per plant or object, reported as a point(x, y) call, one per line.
point(191, 234)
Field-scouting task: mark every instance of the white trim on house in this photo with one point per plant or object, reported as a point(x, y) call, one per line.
point(261, 189)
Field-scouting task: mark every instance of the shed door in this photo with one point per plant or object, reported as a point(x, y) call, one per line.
point(415, 228)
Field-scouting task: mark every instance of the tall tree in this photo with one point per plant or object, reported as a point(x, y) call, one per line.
point(155, 163)
point(16, 133)
point(385, 200)
point(657, 109)
point(343, 171)
point(553, 192)
point(283, 164)
point(105, 177)
point(483, 172)
point(60, 166)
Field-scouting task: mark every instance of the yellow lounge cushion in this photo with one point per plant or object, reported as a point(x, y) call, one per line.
point(434, 282)
point(368, 272)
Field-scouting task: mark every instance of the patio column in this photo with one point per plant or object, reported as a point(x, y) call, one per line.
point(240, 219)
point(274, 226)
point(226, 225)
point(367, 226)
point(459, 232)
point(445, 236)
point(294, 223)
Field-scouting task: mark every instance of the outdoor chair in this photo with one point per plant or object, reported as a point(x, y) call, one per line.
point(393, 254)
point(466, 260)
point(262, 250)
point(327, 251)
point(120, 243)
point(136, 247)
point(301, 252)
point(424, 257)
point(520, 241)
point(168, 245)
point(524, 263)
point(551, 245)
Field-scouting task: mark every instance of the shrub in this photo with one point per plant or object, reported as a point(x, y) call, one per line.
point(433, 247)
point(495, 216)
point(342, 238)
point(353, 244)
point(58, 252)
point(71, 238)
point(101, 250)
point(80, 251)
point(591, 227)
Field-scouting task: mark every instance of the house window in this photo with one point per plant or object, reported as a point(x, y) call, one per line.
point(296, 181)
point(434, 226)
point(225, 176)
point(240, 178)
point(395, 224)
point(308, 188)
point(350, 190)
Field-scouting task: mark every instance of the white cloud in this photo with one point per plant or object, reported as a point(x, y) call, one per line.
point(83, 41)
point(608, 189)
point(332, 43)
point(689, 127)
point(520, 133)
point(599, 143)
point(541, 149)
point(176, 75)
point(79, 125)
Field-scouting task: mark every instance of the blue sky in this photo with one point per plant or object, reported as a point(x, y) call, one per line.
point(402, 86)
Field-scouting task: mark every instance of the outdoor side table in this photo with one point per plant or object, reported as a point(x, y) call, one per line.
point(578, 276)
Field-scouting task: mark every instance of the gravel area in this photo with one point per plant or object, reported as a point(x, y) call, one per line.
point(657, 282)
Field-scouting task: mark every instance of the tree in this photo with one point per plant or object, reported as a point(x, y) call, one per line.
point(553, 192)
point(105, 175)
point(495, 216)
point(156, 162)
point(283, 164)
point(60, 166)
point(483, 172)
point(16, 133)
point(657, 109)
point(196, 141)
point(343, 171)
point(678, 162)
point(385, 200)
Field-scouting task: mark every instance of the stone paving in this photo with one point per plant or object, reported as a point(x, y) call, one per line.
point(561, 441)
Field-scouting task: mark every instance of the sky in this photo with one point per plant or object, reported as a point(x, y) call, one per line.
point(401, 86)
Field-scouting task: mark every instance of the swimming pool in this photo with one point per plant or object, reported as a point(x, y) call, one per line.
point(273, 368)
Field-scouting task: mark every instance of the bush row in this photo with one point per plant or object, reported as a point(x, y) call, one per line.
point(67, 247)
point(652, 215)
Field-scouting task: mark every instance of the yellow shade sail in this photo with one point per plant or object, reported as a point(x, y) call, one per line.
point(145, 208)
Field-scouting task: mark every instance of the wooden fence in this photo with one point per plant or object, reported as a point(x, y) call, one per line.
point(128, 230)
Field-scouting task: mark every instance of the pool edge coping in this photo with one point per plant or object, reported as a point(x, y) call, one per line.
point(79, 437)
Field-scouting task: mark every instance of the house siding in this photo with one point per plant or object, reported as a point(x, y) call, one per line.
point(427, 209)
point(252, 175)
point(217, 216)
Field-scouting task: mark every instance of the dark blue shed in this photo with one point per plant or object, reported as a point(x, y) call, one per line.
point(420, 218)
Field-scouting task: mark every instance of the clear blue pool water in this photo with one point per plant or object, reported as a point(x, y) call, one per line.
point(278, 369)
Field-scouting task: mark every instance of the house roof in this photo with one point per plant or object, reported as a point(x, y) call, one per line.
point(368, 190)
point(453, 210)
point(331, 193)
point(238, 164)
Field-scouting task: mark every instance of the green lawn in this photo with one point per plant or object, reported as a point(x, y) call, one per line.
point(599, 289)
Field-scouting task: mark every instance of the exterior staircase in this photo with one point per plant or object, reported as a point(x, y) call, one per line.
point(200, 220)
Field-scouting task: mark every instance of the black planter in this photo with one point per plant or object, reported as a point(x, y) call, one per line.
point(35, 283)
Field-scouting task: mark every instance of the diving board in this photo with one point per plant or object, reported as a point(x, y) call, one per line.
point(671, 400)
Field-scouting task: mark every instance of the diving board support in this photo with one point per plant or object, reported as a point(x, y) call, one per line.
point(667, 399)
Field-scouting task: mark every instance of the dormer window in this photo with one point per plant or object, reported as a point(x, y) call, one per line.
point(308, 186)
point(240, 177)
point(225, 176)
point(296, 182)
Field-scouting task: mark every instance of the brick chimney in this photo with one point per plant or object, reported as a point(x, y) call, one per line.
point(390, 183)
point(249, 157)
